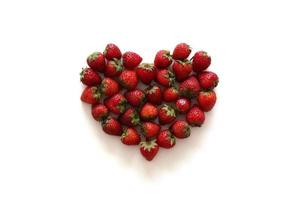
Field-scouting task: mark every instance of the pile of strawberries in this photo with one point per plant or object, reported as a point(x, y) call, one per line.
point(174, 86)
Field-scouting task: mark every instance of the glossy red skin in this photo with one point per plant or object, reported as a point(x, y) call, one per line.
point(112, 70)
point(130, 136)
point(109, 87)
point(181, 51)
point(127, 117)
point(170, 94)
point(179, 129)
point(190, 87)
point(162, 59)
point(146, 76)
point(96, 61)
point(207, 100)
point(114, 104)
point(148, 112)
point(90, 77)
point(99, 111)
point(155, 97)
point(183, 105)
point(90, 96)
point(149, 155)
point(150, 129)
point(135, 97)
point(195, 116)
point(163, 139)
point(131, 60)
point(128, 79)
point(208, 80)
point(164, 118)
point(162, 78)
point(181, 70)
point(201, 61)
point(112, 126)
point(112, 51)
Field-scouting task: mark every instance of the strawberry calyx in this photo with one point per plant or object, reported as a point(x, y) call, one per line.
point(96, 93)
point(135, 119)
point(148, 145)
point(146, 66)
point(167, 54)
point(122, 105)
point(152, 89)
point(169, 110)
point(117, 64)
point(93, 56)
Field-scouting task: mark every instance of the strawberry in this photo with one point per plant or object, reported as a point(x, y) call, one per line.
point(128, 79)
point(165, 78)
point(99, 112)
point(149, 149)
point(208, 80)
point(130, 117)
point(135, 97)
point(181, 69)
point(207, 100)
point(148, 112)
point(166, 114)
point(96, 61)
point(181, 129)
point(183, 105)
point(90, 95)
point(112, 51)
point(116, 103)
point(201, 61)
point(190, 87)
point(181, 51)
point(130, 136)
point(154, 95)
point(113, 68)
point(131, 60)
point(162, 59)
point(195, 116)
point(170, 94)
point(111, 126)
point(146, 73)
point(89, 77)
point(109, 87)
point(150, 129)
point(166, 139)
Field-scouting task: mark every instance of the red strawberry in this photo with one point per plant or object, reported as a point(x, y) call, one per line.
point(165, 78)
point(113, 68)
point(207, 100)
point(130, 137)
point(130, 117)
point(208, 80)
point(154, 95)
point(131, 60)
point(116, 103)
point(183, 105)
point(90, 95)
point(150, 129)
point(181, 129)
point(190, 87)
point(166, 139)
point(146, 73)
point(170, 94)
point(181, 51)
point(89, 77)
point(112, 51)
point(135, 97)
point(128, 79)
point(111, 126)
point(109, 87)
point(181, 70)
point(201, 61)
point(162, 59)
point(149, 149)
point(166, 114)
point(148, 112)
point(99, 112)
point(195, 116)
point(96, 61)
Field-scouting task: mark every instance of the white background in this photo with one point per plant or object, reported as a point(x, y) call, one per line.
point(50, 148)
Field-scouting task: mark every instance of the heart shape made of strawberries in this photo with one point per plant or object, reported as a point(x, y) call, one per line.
point(136, 101)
